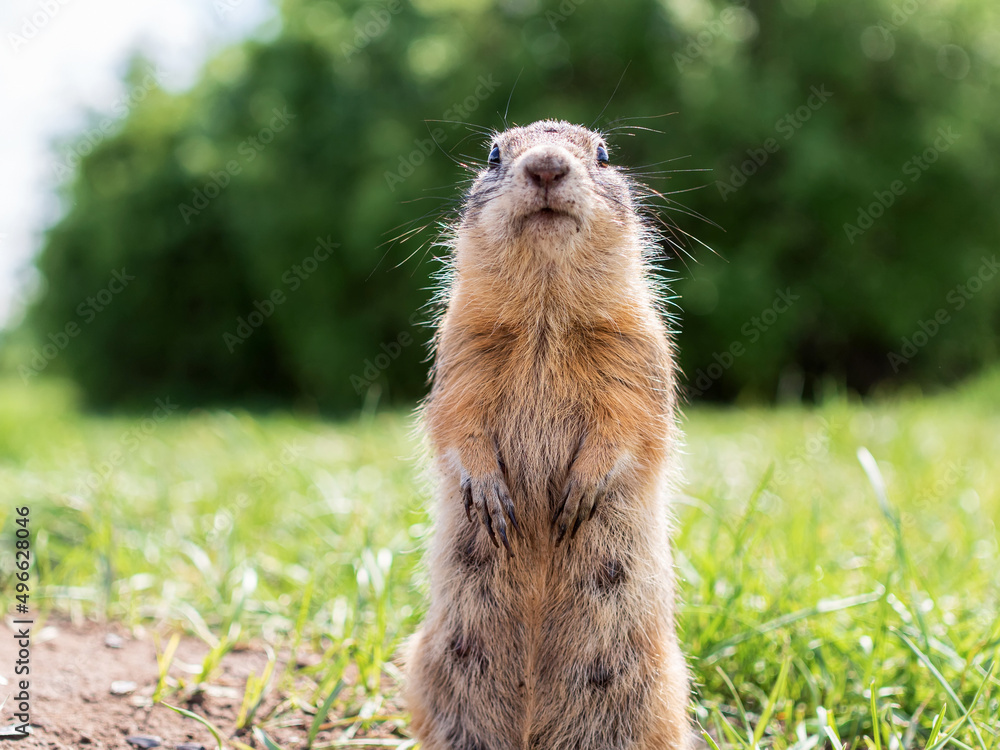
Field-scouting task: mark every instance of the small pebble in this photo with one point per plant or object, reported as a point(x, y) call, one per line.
point(46, 634)
point(113, 640)
point(189, 746)
point(144, 741)
point(123, 687)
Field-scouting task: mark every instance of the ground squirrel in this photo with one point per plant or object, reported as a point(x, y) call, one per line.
point(552, 423)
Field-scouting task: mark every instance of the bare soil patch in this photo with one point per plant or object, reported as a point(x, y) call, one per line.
point(73, 706)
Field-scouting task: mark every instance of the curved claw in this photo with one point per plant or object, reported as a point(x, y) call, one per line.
point(506, 542)
point(491, 500)
point(508, 507)
point(467, 499)
point(562, 505)
point(597, 501)
point(567, 510)
point(561, 534)
point(489, 524)
point(498, 504)
point(587, 508)
point(579, 504)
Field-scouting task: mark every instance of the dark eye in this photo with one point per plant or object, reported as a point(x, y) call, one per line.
point(602, 155)
point(495, 157)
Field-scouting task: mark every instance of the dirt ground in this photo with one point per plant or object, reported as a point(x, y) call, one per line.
point(73, 705)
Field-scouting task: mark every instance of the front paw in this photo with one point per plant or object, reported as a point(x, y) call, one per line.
point(578, 503)
point(493, 505)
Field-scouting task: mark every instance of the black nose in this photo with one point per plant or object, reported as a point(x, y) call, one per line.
point(546, 169)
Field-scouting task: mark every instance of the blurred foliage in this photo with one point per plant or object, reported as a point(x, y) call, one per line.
point(819, 106)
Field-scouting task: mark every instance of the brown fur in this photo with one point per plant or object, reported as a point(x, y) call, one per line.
point(552, 404)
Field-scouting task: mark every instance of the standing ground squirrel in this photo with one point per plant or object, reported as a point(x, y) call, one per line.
point(552, 423)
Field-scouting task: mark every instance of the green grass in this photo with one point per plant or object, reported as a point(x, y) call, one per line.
point(810, 602)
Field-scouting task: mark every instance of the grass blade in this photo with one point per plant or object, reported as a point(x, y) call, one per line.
point(709, 741)
point(163, 662)
point(822, 608)
point(739, 703)
point(936, 726)
point(321, 713)
point(201, 720)
point(876, 727)
point(264, 740)
point(776, 693)
point(967, 713)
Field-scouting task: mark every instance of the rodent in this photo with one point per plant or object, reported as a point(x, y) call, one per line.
point(551, 420)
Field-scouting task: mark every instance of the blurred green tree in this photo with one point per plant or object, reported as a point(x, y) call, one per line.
point(851, 148)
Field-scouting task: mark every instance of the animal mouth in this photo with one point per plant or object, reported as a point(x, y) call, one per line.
point(547, 212)
point(547, 218)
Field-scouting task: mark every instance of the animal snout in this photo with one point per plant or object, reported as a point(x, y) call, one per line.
point(545, 168)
